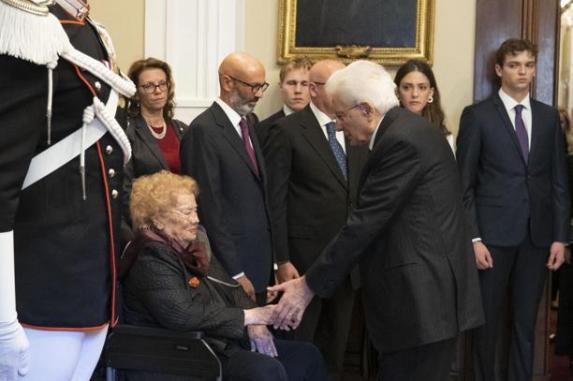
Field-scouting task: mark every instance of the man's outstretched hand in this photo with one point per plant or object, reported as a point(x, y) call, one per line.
point(296, 297)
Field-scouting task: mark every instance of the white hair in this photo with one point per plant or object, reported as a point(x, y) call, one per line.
point(364, 82)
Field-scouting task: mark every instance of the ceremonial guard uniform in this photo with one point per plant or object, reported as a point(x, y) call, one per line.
point(64, 217)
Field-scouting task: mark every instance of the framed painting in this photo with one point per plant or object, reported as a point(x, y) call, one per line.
point(386, 31)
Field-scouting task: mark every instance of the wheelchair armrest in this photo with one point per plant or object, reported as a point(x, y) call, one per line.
point(130, 330)
point(161, 350)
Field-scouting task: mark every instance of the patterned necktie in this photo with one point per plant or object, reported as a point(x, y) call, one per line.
point(336, 148)
point(247, 143)
point(521, 132)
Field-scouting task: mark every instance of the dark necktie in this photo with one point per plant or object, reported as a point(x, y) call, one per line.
point(521, 132)
point(336, 148)
point(247, 143)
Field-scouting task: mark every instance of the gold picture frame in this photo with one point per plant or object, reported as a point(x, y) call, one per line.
point(386, 55)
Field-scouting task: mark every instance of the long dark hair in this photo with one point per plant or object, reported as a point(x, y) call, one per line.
point(433, 112)
point(136, 68)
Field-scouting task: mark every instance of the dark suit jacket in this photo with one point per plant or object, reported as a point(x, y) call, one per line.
point(504, 196)
point(232, 199)
point(408, 233)
point(146, 156)
point(262, 128)
point(309, 197)
point(55, 289)
point(157, 294)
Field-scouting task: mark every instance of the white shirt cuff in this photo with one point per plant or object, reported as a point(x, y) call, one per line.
point(235, 277)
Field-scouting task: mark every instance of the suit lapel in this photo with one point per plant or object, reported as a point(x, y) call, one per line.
point(258, 152)
point(233, 137)
point(313, 133)
point(502, 112)
point(535, 129)
point(388, 119)
point(145, 135)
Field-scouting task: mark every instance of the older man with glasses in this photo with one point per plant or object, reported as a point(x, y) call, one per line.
point(221, 151)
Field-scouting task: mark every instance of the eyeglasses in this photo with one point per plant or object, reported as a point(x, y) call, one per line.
point(340, 116)
point(150, 87)
point(255, 88)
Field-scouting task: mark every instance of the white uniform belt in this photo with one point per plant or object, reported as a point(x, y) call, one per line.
point(66, 149)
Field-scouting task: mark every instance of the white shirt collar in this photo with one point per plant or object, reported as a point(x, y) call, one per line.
point(287, 110)
point(510, 103)
point(321, 117)
point(233, 116)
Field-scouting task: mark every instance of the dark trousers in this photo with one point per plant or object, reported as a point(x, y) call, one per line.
point(430, 362)
point(296, 362)
point(521, 271)
point(326, 323)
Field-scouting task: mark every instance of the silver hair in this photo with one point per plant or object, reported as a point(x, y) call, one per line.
point(364, 82)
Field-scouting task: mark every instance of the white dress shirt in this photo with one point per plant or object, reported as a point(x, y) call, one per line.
point(323, 120)
point(287, 110)
point(233, 117)
point(510, 104)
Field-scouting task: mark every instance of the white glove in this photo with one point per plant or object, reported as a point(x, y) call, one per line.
point(13, 341)
point(14, 354)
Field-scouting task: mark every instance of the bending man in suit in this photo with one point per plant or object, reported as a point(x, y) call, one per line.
point(294, 90)
point(511, 155)
point(407, 232)
point(221, 151)
point(311, 196)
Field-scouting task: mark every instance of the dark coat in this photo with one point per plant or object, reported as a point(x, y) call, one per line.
point(262, 128)
point(408, 233)
point(146, 156)
point(64, 245)
point(310, 198)
point(504, 196)
point(232, 200)
point(157, 294)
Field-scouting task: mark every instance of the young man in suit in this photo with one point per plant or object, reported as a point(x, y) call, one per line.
point(311, 194)
point(294, 90)
point(221, 151)
point(407, 232)
point(511, 155)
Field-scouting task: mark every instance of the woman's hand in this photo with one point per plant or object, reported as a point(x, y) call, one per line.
point(262, 340)
point(259, 315)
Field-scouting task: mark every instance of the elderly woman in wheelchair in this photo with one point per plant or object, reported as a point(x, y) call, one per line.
point(173, 281)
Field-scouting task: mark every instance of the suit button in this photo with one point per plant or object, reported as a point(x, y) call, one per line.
point(111, 172)
point(97, 85)
point(114, 193)
point(109, 149)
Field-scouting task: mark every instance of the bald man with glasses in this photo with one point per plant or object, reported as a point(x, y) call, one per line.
point(221, 151)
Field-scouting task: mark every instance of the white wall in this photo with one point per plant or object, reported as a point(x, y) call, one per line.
point(453, 52)
point(252, 25)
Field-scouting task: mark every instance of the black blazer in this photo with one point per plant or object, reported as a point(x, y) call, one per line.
point(310, 198)
point(53, 225)
point(262, 128)
point(232, 199)
point(146, 156)
point(408, 233)
point(504, 196)
point(157, 293)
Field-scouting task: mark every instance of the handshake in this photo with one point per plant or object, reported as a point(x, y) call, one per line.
point(287, 314)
